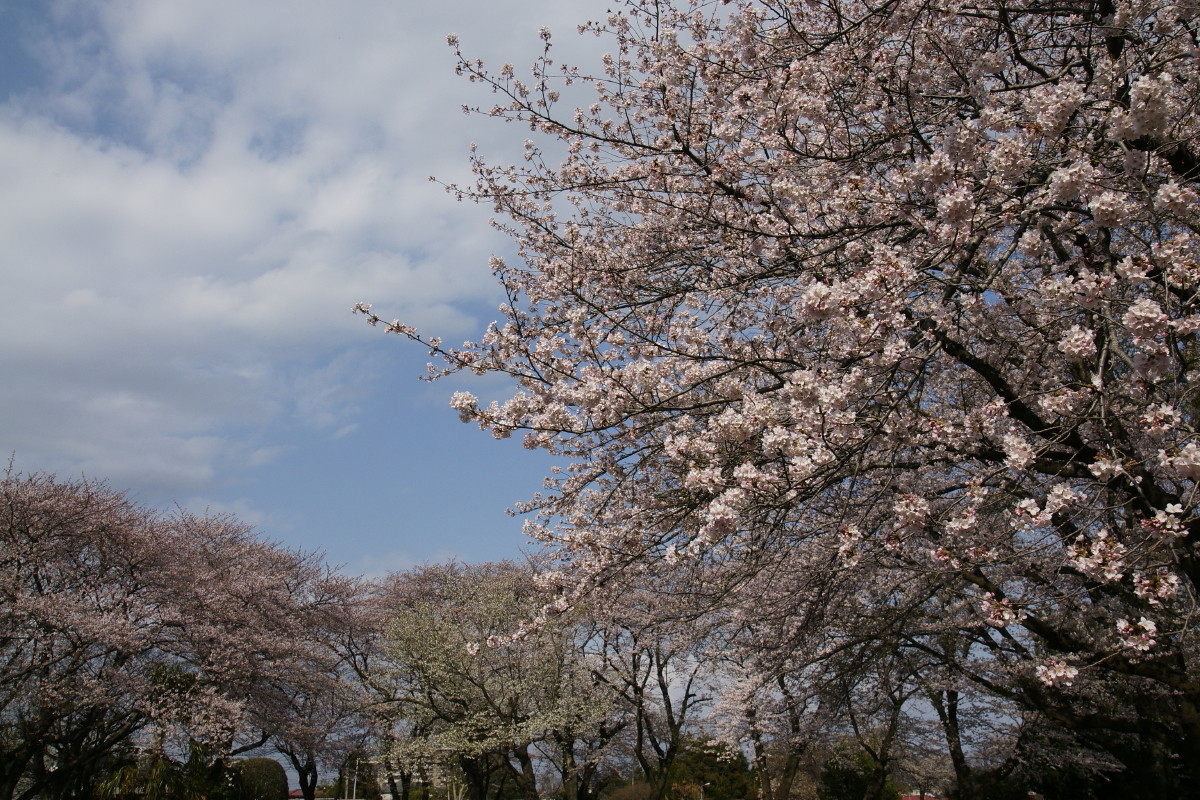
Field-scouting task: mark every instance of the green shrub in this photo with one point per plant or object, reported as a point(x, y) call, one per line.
point(260, 779)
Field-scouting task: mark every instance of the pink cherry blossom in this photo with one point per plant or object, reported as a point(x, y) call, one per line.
point(892, 300)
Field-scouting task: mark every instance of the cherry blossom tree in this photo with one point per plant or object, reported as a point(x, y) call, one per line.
point(661, 680)
point(856, 316)
point(120, 626)
point(322, 719)
point(318, 708)
point(776, 718)
point(474, 698)
point(75, 646)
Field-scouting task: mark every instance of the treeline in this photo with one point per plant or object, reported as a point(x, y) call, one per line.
point(144, 650)
point(144, 654)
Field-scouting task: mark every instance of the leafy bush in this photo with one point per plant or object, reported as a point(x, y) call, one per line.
point(260, 779)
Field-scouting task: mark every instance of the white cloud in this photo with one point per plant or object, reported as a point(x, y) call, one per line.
point(196, 192)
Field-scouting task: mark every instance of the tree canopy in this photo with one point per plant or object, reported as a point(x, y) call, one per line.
point(864, 322)
point(122, 628)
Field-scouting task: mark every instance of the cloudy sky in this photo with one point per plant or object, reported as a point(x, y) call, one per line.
point(194, 193)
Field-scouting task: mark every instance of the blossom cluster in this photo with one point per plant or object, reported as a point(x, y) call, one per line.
point(1056, 672)
point(1138, 635)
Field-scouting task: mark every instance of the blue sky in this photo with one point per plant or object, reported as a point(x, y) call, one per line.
point(194, 194)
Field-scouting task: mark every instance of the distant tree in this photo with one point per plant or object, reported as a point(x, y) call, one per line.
point(660, 680)
point(120, 626)
point(494, 701)
point(323, 721)
point(320, 706)
point(75, 658)
point(780, 713)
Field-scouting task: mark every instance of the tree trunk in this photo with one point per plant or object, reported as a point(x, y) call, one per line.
point(946, 705)
point(402, 791)
point(306, 774)
point(570, 776)
point(478, 777)
point(524, 773)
